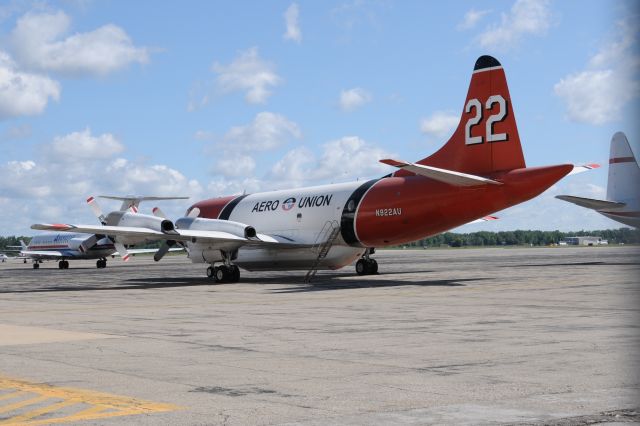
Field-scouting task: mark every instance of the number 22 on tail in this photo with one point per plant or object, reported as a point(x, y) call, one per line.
point(493, 118)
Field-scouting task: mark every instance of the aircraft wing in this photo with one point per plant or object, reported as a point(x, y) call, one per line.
point(214, 238)
point(443, 175)
point(591, 203)
point(132, 231)
point(145, 251)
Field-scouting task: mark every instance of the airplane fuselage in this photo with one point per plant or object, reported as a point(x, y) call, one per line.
point(66, 245)
point(382, 212)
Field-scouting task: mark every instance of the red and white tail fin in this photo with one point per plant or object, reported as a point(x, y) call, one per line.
point(623, 183)
point(486, 139)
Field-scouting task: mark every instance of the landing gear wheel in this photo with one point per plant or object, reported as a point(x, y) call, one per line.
point(366, 267)
point(36, 266)
point(234, 274)
point(373, 267)
point(101, 263)
point(211, 272)
point(221, 274)
point(63, 264)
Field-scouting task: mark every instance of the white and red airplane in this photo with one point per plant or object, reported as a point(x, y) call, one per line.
point(623, 186)
point(480, 170)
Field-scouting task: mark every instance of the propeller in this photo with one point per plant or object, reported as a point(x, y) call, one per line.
point(97, 211)
point(167, 244)
point(122, 251)
point(158, 213)
point(88, 242)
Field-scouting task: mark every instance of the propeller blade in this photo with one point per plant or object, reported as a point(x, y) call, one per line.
point(97, 211)
point(159, 213)
point(164, 248)
point(122, 251)
point(89, 242)
point(194, 212)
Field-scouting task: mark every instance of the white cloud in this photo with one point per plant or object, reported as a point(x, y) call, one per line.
point(235, 164)
point(354, 98)
point(346, 158)
point(526, 17)
point(23, 93)
point(48, 189)
point(82, 145)
point(234, 153)
point(267, 131)
point(38, 43)
point(471, 18)
point(247, 73)
point(439, 124)
point(293, 27)
point(598, 94)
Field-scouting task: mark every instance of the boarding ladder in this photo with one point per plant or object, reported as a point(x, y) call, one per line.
point(322, 245)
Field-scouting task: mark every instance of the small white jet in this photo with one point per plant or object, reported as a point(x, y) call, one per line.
point(3, 257)
point(623, 186)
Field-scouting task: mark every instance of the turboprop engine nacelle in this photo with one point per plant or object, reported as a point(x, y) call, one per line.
point(199, 224)
point(139, 220)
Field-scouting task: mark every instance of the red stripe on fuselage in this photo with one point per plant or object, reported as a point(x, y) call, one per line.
point(622, 160)
point(211, 208)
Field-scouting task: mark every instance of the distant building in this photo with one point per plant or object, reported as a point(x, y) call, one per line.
point(583, 241)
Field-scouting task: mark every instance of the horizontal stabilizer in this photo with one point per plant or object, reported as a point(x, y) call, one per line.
point(129, 201)
point(442, 175)
point(583, 168)
point(590, 203)
point(484, 219)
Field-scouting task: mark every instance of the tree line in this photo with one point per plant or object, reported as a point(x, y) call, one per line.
point(5, 242)
point(524, 237)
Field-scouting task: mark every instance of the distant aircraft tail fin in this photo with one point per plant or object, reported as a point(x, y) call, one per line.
point(623, 183)
point(23, 245)
point(486, 139)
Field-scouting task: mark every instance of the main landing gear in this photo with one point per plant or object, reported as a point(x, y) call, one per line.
point(63, 264)
point(36, 265)
point(224, 273)
point(101, 263)
point(227, 272)
point(365, 265)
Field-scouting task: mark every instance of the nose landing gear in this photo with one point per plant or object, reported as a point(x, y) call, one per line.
point(366, 265)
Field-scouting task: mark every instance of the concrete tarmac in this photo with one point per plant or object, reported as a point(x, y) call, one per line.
point(450, 336)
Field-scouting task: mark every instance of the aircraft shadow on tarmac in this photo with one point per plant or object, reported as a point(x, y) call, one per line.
point(332, 284)
point(320, 283)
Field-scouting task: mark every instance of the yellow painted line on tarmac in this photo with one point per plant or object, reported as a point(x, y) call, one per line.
point(101, 405)
point(21, 419)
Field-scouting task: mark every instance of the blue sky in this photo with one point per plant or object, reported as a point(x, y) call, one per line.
point(211, 98)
